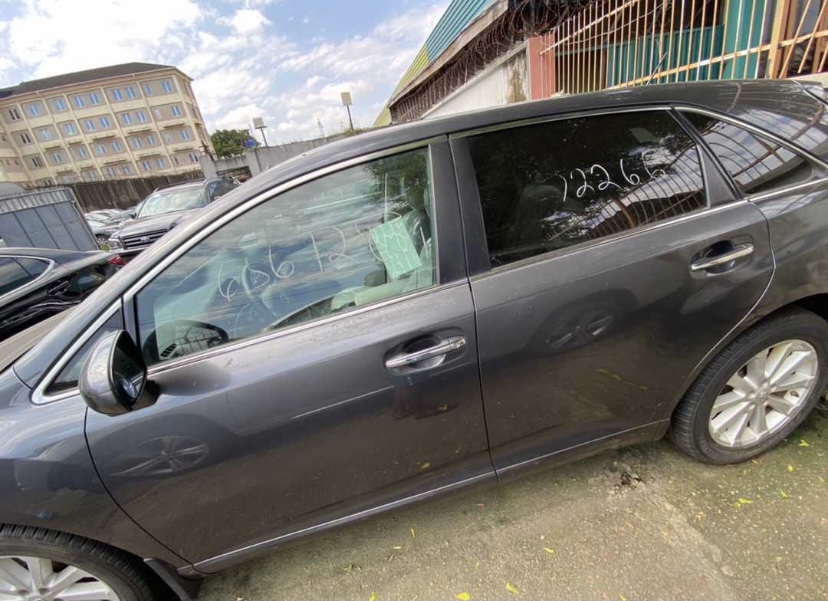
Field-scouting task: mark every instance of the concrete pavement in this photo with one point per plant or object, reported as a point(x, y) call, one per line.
point(589, 530)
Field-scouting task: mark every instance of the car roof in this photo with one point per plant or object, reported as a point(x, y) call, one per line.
point(738, 98)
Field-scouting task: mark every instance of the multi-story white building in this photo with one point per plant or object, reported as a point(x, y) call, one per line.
point(114, 122)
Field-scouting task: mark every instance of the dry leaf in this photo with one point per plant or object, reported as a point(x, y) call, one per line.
point(462, 596)
point(512, 588)
point(548, 550)
point(413, 534)
point(784, 494)
point(622, 597)
point(373, 597)
point(742, 501)
point(425, 466)
point(396, 547)
point(790, 468)
point(802, 443)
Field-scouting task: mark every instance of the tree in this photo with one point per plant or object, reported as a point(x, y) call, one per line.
point(228, 142)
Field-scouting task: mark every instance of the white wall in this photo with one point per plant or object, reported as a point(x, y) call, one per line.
point(504, 82)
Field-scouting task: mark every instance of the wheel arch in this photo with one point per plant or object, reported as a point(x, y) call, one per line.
point(815, 303)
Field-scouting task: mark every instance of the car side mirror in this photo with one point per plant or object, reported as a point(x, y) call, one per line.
point(133, 214)
point(114, 378)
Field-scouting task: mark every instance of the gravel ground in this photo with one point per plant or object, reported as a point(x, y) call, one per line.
point(641, 523)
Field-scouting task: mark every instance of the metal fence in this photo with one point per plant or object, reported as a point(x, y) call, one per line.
point(621, 43)
point(44, 219)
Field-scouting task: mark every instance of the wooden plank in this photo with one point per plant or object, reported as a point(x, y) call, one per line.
point(789, 56)
point(779, 16)
point(813, 37)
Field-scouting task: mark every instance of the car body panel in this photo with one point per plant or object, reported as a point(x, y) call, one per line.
point(286, 456)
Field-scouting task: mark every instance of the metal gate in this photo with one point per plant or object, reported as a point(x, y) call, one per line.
point(45, 219)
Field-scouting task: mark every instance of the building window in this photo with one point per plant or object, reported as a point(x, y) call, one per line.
point(116, 146)
point(14, 114)
point(185, 135)
point(59, 104)
point(25, 138)
point(158, 114)
point(175, 160)
point(44, 134)
point(141, 116)
point(168, 139)
point(176, 110)
point(37, 162)
point(100, 149)
point(167, 85)
point(126, 119)
point(66, 179)
point(147, 89)
point(151, 141)
point(70, 129)
point(109, 172)
point(131, 93)
point(90, 176)
point(83, 153)
point(57, 159)
point(94, 98)
point(146, 165)
point(193, 157)
point(117, 95)
point(105, 122)
point(89, 125)
point(34, 110)
point(79, 102)
point(162, 164)
point(136, 143)
point(126, 169)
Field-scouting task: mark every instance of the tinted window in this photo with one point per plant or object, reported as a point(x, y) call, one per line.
point(756, 163)
point(344, 240)
point(67, 379)
point(548, 186)
point(12, 275)
point(34, 267)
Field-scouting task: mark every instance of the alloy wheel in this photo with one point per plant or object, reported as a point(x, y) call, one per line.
point(764, 394)
point(38, 579)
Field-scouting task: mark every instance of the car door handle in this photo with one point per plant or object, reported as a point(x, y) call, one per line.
point(739, 251)
point(444, 347)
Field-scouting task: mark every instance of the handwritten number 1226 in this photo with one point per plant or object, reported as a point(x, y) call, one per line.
point(600, 171)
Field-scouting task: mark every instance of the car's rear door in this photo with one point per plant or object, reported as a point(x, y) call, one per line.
point(608, 257)
point(316, 359)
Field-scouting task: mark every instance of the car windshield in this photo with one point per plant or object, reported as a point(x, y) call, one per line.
point(167, 201)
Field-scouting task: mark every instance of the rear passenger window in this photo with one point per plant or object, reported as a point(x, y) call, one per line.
point(549, 186)
point(756, 163)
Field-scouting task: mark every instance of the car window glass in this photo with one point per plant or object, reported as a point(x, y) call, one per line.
point(12, 275)
point(548, 186)
point(212, 190)
point(344, 240)
point(34, 267)
point(756, 163)
point(67, 379)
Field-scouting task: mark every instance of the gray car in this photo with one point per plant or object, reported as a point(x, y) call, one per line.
point(417, 310)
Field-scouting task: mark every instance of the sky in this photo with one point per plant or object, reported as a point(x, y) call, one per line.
point(284, 60)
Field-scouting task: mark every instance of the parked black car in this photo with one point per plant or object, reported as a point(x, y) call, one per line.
point(164, 209)
point(36, 283)
point(418, 309)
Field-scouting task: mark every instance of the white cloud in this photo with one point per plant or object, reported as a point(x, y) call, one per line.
point(53, 36)
point(248, 20)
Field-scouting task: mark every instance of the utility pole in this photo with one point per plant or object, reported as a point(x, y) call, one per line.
point(258, 123)
point(346, 100)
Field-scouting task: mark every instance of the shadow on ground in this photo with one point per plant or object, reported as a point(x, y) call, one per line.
point(644, 522)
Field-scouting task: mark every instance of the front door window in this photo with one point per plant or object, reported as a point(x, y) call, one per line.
point(342, 241)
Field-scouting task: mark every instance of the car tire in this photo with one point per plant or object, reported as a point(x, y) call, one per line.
point(739, 406)
point(28, 555)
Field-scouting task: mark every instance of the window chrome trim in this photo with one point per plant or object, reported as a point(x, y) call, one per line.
point(600, 112)
point(39, 396)
point(792, 147)
point(49, 268)
point(300, 327)
point(589, 244)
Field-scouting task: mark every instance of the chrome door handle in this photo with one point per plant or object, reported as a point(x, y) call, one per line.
point(738, 252)
point(443, 348)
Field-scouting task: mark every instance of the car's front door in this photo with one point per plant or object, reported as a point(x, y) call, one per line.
point(614, 258)
point(316, 358)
